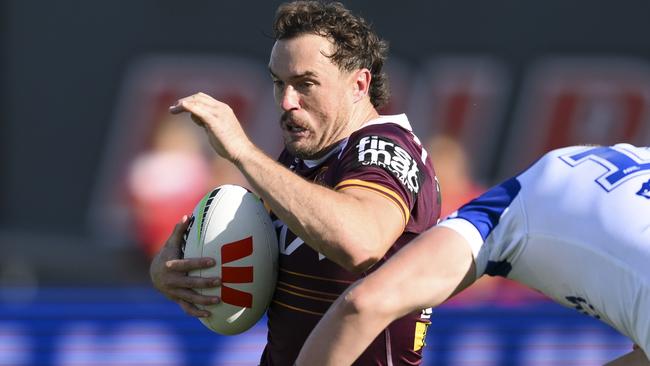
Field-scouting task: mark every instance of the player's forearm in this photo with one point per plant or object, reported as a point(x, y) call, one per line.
point(342, 334)
point(359, 315)
point(423, 274)
point(332, 223)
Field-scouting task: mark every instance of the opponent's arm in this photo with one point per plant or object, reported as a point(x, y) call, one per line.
point(353, 228)
point(430, 269)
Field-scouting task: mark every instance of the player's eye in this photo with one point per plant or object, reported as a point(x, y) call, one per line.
point(305, 85)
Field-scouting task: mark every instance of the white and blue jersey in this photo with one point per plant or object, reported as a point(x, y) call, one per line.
point(575, 226)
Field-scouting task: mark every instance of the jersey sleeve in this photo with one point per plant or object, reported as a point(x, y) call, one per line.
point(385, 160)
point(478, 219)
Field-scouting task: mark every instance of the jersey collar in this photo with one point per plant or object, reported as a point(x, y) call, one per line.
point(398, 119)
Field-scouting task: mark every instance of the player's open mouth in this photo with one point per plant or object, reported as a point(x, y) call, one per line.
point(294, 129)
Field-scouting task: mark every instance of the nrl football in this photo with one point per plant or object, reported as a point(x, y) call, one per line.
point(232, 226)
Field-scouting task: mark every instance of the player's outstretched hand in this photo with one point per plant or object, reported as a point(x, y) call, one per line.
point(168, 273)
point(219, 121)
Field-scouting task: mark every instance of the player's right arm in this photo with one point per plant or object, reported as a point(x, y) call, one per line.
point(168, 273)
point(429, 270)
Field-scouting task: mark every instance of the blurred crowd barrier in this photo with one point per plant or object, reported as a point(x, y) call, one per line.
point(136, 326)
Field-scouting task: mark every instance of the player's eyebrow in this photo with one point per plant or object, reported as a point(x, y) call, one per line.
point(303, 75)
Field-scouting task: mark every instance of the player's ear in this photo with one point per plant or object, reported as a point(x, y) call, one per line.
point(361, 85)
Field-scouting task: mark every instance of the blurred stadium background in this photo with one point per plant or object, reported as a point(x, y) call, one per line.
point(94, 171)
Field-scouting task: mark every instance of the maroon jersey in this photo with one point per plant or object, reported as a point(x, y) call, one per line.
point(383, 157)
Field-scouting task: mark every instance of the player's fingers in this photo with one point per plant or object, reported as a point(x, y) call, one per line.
point(180, 228)
point(197, 120)
point(170, 281)
point(201, 282)
point(177, 107)
point(193, 297)
point(193, 103)
point(204, 99)
point(176, 240)
point(192, 282)
point(183, 104)
point(189, 264)
point(192, 310)
point(201, 106)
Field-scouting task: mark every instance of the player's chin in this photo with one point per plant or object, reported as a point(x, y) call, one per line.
point(299, 148)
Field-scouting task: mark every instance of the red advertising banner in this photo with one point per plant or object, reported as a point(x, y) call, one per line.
point(568, 101)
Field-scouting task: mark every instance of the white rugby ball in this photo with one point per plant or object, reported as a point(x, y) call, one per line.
point(231, 225)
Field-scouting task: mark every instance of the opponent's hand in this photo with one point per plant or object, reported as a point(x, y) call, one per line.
point(219, 121)
point(168, 273)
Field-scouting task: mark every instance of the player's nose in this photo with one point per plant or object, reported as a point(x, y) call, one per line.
point(290, 99)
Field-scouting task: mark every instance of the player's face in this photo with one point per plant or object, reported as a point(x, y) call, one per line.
point(314, 95)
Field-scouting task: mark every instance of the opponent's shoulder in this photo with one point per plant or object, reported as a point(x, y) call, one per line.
point(600, 151)
point(584, 163)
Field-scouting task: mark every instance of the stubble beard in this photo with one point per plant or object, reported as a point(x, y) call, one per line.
point(293, 147)
point(304, 153)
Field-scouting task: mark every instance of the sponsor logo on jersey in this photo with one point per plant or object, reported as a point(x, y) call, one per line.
point(383, 152)
point(645, 190)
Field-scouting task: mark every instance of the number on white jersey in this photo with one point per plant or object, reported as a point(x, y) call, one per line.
point(620, 163)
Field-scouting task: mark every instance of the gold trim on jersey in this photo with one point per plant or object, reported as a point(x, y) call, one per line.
point(298, 309)
point(315, 277)
point(377, 188)
point(332, 294)
point(305, 296)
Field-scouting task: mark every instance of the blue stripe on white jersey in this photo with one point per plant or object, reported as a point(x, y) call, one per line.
point(485, 211)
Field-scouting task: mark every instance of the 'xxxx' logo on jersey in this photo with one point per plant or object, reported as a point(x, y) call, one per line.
point(229, 253)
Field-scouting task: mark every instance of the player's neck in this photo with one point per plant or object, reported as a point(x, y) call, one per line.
point(362, 114)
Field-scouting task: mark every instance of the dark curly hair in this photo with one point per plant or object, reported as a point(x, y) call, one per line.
point(356, 44)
